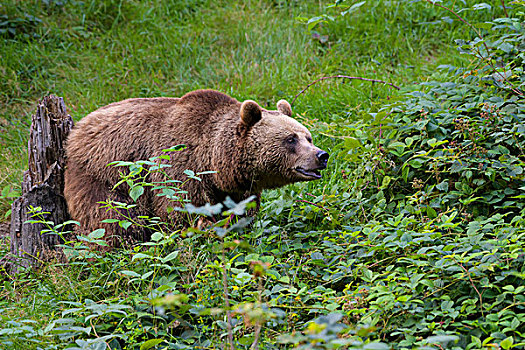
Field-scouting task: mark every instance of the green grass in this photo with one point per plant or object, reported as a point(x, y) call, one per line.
point(96, 52)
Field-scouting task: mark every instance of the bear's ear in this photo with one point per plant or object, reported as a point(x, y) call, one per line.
point(251, 113)
point(284, 107)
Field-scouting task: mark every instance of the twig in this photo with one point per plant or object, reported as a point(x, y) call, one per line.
point(473, 285)
point(227, 300)
point(258, 325)
point(369, 181)
point(460, 18)
point(344, 77)
point(364, 213)
point(95, 332)
point(512, 305)
point(383, 260)
point(504, 8)
point(312, 203)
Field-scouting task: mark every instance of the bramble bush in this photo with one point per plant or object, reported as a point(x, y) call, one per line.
point(443, 201)
point(418, 245)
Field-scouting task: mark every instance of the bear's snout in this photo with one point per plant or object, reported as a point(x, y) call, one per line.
point(322, 157)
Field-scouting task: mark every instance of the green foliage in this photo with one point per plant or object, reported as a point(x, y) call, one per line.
point(459, 143)
point(97, 52)
point(150, 276)
point(413, 241)
point(9, 195)
point(19, 26)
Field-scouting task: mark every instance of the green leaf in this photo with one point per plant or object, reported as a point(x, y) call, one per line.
point(150, 344)
point(443, 186)
point(189, 173)
point(146, 275)
point(481, 6)
point(398, 146)
point(507, 48)
point(273, 274)
point(386, 181)
point(170, 256)
point(352, 142)
point(140, 256)
point(507, 343)
point(476, 341)
point(284, 279)
point(440, 339)
point(246, 340)
point(124, 224)
point(130, 273)
point(136, 192)
point(243, 278)
point(368, 275)
point(157, 236)
point(404, 173)
point(376, 346)
point(99, 233)
point(473, 227)
point(353, 8)
point(434, 143)
point(174, 148)
point(416, 163)
point(207, 172)
point(121, 163)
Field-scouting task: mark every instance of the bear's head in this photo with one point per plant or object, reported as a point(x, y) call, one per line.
point(282, 148)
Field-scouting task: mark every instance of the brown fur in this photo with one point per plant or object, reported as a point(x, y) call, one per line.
point(244, 143)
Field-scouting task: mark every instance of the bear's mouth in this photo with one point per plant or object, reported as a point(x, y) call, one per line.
point(310, 173)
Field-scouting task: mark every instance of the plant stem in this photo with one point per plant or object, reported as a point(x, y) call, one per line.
point(258, 325)
point(343, 77)
point(226, 299)
point(467, 272)
point(504, 8)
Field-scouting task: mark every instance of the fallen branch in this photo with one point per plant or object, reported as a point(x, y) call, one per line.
point(343, 77)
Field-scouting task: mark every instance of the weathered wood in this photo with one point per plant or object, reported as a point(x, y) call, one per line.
point(42, 186)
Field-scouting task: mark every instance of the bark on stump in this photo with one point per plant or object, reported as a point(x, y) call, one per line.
point(42, 186)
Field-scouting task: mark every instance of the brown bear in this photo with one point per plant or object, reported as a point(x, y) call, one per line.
point(248, 147)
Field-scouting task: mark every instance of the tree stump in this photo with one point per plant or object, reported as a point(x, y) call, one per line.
point(42, 186)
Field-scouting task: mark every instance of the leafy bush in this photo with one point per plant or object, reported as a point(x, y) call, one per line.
point(458, 143)
point(443, 186)
point(24, 26)
point(415, 242)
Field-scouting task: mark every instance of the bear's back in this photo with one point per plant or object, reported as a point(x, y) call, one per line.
point(139, 128)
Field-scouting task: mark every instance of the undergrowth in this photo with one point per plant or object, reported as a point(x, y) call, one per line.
point(96, 52)
point(413, 240)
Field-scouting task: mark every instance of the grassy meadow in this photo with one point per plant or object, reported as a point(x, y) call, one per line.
point(96, 52)
point(390, 250)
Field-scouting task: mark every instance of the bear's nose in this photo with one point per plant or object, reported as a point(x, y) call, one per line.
point(323, 158)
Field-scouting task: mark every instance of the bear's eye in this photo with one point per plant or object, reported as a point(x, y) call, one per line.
point(291, 140)
point(309, 139)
